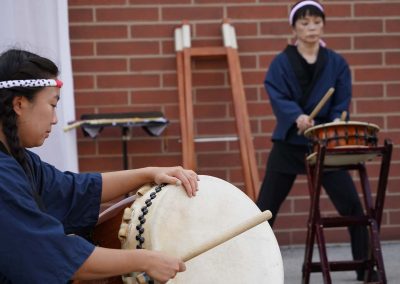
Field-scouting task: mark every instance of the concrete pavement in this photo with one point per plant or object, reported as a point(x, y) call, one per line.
point(293, 257)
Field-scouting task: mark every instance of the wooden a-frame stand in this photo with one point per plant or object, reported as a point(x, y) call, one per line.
point(184, 55)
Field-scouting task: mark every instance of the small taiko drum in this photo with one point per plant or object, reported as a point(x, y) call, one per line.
point(164, 218)
point(343, 134)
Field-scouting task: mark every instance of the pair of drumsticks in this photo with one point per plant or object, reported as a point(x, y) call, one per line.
point(225, 236)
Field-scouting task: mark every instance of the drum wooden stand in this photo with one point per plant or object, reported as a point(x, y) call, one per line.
point(340, 158)
point(184, 56)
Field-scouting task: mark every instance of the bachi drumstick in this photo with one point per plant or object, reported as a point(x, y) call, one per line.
point(142, 278)
point(343, 116)
point(321, 103)
point(319, 106)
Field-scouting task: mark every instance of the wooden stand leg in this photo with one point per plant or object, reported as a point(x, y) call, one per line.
point(309, 249)
point(191, 162)
point(184, 60)
point(315, 232)
point(182, 109)
point(322, 252)
point(243, 126)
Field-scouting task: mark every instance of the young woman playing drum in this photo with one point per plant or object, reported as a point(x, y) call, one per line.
point(297, 79)
point(43, 211)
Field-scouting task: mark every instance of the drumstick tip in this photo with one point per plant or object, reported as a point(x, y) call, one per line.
point(142, 278)
point(267, 214)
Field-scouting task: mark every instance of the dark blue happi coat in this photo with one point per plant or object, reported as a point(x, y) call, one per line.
point(35, 241)
point(285, 93)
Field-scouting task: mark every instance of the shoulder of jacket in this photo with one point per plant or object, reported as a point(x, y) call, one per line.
point(335, 55)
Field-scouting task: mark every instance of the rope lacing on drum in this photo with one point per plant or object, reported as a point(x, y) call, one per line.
point(371, 136)
point(142, 219)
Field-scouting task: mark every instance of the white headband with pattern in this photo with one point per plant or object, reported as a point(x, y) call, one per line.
point(31, 83)
point(301, 5)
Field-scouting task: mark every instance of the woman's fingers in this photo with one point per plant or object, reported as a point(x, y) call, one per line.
point(164, 267)
point(179, 176)
point(189, 181)
point(182, 266)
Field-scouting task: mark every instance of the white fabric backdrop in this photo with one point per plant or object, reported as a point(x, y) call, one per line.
point(41, 26)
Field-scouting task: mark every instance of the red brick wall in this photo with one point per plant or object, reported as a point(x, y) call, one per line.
point(124, 60)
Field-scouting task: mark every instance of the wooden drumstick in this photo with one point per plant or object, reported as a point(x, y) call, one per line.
point(321, 103)
point(319, 106)
point(225, 236)
point(229, 234)
point(343, 116)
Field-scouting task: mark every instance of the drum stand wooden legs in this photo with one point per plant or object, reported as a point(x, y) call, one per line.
point(184, 55)
point(371, 219)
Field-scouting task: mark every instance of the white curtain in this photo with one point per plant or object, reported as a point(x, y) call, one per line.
point(41, 26)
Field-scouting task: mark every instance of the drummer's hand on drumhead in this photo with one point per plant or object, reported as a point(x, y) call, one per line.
point(162, 267)
point(179, 176)
point(304, 122)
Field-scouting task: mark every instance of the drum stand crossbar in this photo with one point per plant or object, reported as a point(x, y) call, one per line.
point(184, 55)
point(372, 217)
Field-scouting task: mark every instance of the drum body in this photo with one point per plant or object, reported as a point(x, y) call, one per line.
point(343, 134)
point(176, 224)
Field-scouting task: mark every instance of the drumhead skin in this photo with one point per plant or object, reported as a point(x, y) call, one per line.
point(310, 132)
point(176, 224)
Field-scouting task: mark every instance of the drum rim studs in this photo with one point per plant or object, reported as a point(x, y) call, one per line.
point(145, 209)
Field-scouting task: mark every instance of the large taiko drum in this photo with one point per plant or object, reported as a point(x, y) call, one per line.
point(343, 134)
point(164, 218)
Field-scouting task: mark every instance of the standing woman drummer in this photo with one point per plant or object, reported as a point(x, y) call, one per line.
point(296, 81)
point(43, 210)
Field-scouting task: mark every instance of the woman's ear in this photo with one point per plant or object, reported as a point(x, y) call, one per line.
point(18, 104)
point(294, 33)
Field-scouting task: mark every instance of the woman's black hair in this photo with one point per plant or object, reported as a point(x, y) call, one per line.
point(307, 10)
point(16, 64)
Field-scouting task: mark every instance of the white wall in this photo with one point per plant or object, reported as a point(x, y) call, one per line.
point(41, 26)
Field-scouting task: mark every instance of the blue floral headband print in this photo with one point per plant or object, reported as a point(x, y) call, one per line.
point(31, 83)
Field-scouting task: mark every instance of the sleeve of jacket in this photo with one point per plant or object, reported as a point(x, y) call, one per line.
point(74, 199)
point(281, 92)
point(33, 245)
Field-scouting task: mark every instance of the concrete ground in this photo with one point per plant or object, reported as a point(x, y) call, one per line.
point(293, 257)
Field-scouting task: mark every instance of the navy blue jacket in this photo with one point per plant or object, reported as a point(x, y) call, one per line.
point(285, 93)
point(35, 244)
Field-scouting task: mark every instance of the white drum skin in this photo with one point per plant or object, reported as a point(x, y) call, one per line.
point(176, 224)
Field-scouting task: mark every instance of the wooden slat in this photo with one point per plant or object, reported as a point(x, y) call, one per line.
point(250, 170)
point(243, 124)
point(207, 51)
point(182, 109)
point(187, 65)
